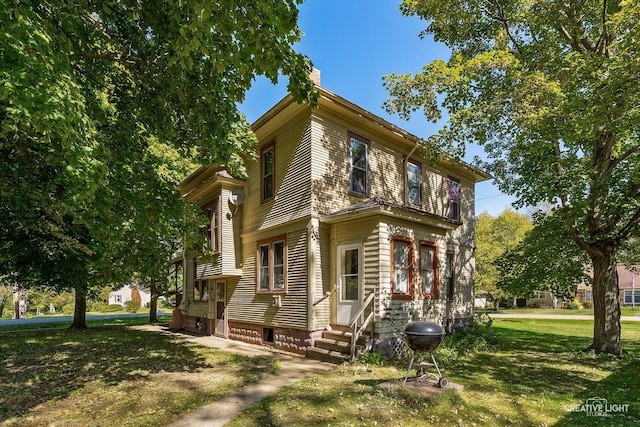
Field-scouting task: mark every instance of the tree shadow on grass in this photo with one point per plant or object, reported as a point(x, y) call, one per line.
point(538, 364)
point(40, 366)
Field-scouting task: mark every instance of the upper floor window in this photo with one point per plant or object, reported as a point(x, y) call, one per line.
point(454, 199)
point(428, 270)
point(402, 268)
point(450, 275)
point(414, 182)
point(213, 236)
point(359, 154)
point(272, 265)
point(267, 172)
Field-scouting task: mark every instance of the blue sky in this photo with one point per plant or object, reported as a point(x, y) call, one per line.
point(354, 43)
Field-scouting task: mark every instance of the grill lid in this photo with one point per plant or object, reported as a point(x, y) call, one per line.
point(423, 328)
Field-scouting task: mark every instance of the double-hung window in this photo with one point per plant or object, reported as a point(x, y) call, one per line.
point(632, 297)
point(212, 234)
point(454, 199)
point(428, 270)
point(200, 290)
point(402, 268)
point(414, 182)
point(359, 157)
point(450, 275)
point(272, 265)
point(267, 172)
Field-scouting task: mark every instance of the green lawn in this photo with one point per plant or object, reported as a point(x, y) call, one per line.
point(114, 375)
point(625, 311)
point(537, 378)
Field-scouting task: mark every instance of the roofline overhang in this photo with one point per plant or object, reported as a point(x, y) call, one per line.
point(337, 104)
point(422, 218)
point(200, 182)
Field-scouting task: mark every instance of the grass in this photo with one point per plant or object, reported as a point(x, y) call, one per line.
point(113, 375)
point(60, 322)
point(536, 378)
point(625, 311)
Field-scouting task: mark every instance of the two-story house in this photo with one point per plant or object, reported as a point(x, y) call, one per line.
point(339, 211)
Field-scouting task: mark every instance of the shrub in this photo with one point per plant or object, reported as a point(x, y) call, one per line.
point(588, 305)
point(575, 305)
point(112, 307)
point(132, 306)
point(97, 306)
point(68, 308)
point(478, 336)
point(537, 304)
point(374, 358)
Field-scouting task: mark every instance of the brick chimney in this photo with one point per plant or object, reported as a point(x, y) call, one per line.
point(314, 75)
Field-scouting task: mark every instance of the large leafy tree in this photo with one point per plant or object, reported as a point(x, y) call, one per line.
point(97, 98)
point(496, 236)
point(549, 88)
point(545, 259)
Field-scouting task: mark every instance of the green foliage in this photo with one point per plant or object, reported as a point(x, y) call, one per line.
point(575, 305)
point(97, 306)
point(494, 237)
point(68, 309)
point(549, 90)
point(110, 308)
point(546, 259)
point(105, 107)
point(132, 306)
point(588, 305)
point(374, 359)
point(477, 336)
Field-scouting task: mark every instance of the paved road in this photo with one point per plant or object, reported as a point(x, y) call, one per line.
point(63, 319)
point(553, 316)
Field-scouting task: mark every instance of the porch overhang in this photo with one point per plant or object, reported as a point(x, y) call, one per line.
point(377, 206)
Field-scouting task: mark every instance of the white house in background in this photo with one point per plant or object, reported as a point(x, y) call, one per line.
point(122, 295)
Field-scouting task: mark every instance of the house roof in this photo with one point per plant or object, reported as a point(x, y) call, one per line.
point(628, 276)
point(379, 206)
point(330, 101)
point(205, 176)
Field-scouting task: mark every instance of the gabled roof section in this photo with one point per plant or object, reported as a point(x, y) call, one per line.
point(196, 185)
point(379, 206)
point(338, 105)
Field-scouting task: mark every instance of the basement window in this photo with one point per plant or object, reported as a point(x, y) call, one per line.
point(267, 335)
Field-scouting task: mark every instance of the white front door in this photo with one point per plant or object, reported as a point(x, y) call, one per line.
point(350, 282)
point(220, 307)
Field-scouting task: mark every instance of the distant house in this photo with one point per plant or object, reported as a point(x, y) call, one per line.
point(342, 217)
point(122, 295)
point(628, 283)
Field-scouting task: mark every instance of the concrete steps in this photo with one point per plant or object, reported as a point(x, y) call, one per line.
point(334, 346)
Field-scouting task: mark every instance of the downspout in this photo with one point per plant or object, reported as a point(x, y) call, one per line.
point(406, 166)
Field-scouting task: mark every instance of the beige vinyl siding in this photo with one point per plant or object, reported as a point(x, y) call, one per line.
point(292, 198)
point(246, 305)
point(331, 166)
point(365, 232)
point(322, 285)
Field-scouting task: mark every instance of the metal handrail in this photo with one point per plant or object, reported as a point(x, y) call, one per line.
point(324, 297)
point(353, 325)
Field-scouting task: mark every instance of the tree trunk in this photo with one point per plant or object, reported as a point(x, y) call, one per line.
point(153, 304)
point(80, 310)
point(606, 304)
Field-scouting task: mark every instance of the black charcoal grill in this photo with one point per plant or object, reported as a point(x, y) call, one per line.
point(422, 338)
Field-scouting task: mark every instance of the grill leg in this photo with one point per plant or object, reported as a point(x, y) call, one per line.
point(436, 365)
point(409, 370)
